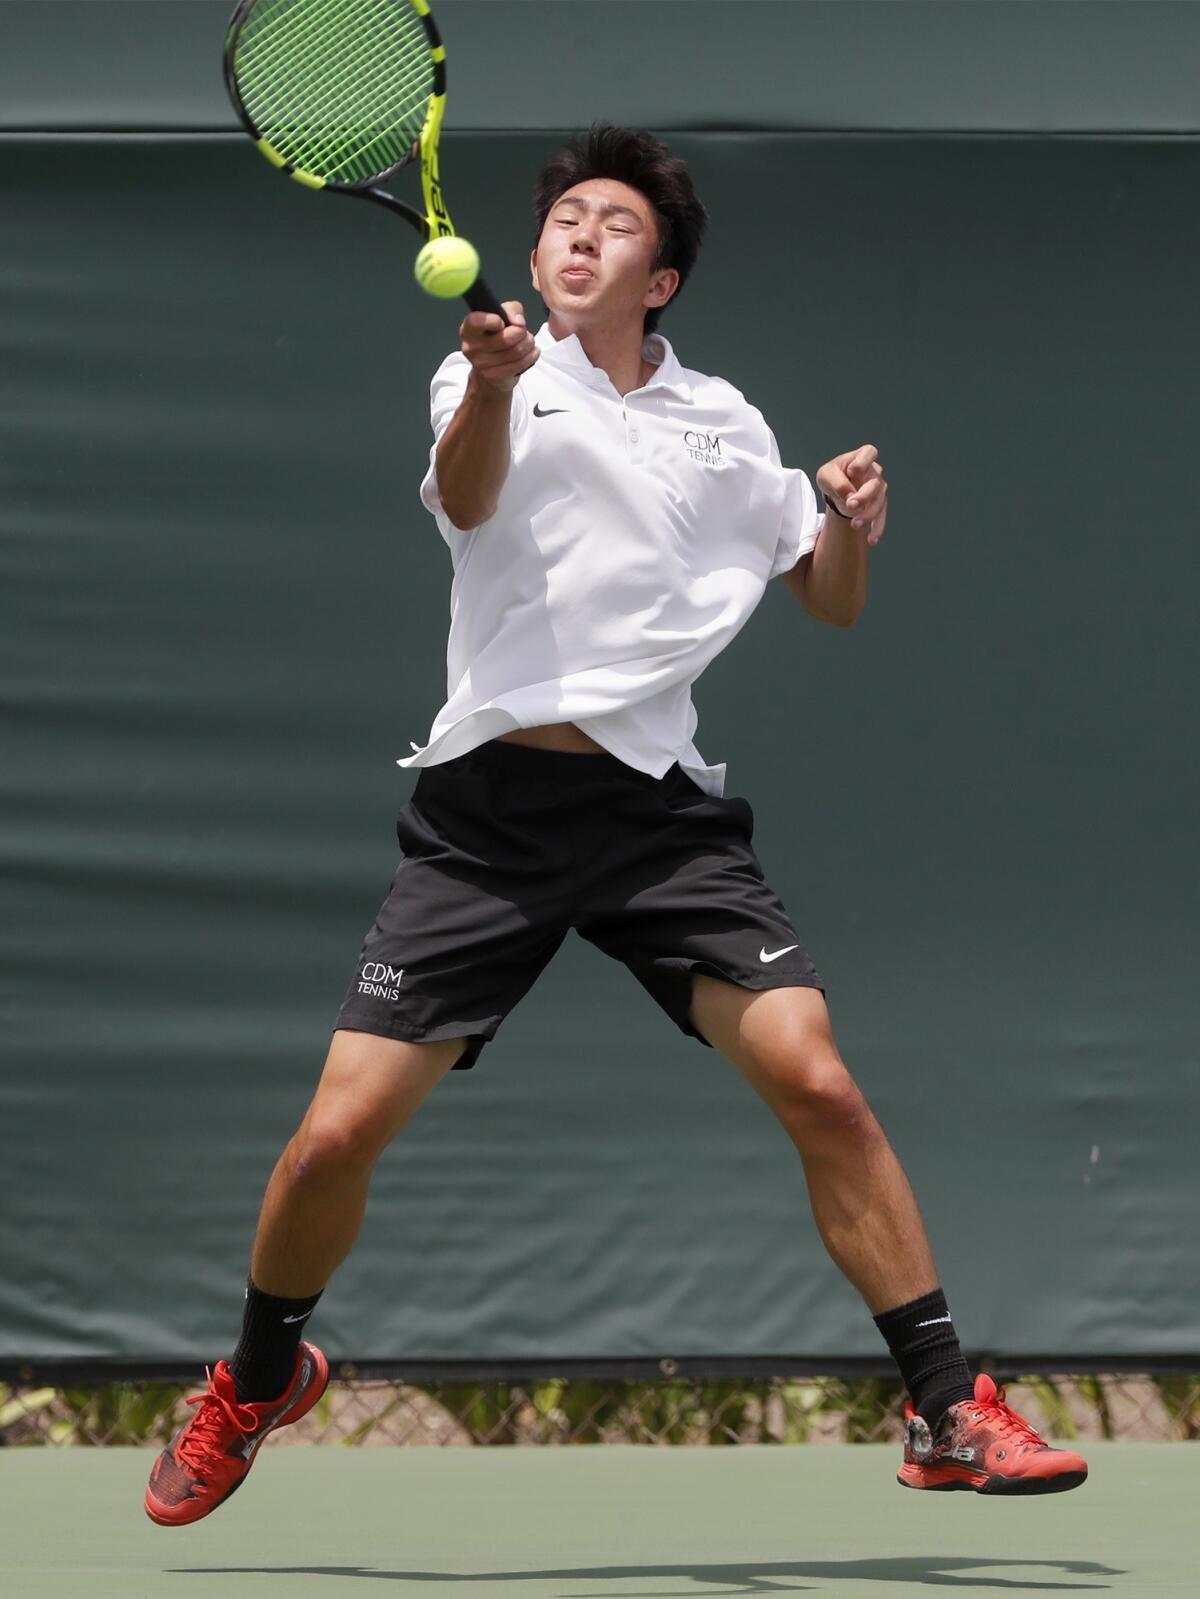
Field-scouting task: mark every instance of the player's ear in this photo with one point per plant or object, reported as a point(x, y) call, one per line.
point(533, 270)
point(662, 286)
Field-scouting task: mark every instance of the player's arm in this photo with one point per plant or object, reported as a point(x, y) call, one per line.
point(474, 453)
point(831, 580)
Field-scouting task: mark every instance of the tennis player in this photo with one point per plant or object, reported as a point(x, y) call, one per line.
point(613, 517)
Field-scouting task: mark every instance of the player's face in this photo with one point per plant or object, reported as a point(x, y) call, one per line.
point(594, 263)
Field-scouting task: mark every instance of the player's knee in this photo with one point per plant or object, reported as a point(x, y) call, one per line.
point(816, 1095)
point(332, 1149)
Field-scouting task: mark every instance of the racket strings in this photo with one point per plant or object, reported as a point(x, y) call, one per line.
point(354, 89)
point(339, 88)
point(392, 123)
point(329, 47)
point(312, 26)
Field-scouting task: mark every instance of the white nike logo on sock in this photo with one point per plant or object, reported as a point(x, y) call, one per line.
point(935, 1321)
point(286, 1319)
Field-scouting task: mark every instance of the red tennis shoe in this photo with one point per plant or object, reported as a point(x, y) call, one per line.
point(209, 1458)
point(983, 1446)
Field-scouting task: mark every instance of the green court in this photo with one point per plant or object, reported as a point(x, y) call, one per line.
point(607, 1522)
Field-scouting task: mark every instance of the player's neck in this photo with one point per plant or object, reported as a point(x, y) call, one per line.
point(615, 350)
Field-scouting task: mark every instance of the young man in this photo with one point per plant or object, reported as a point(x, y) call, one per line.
point(613, 518)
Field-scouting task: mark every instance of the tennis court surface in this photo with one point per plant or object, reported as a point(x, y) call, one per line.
point(614, 1522)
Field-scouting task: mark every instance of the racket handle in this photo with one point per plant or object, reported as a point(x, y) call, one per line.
point(480, 298)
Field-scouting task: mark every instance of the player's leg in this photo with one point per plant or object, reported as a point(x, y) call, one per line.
point(472, 917)
point(475, 911)
point(311, 1214)
point(960, 1435)
point(370, 1089)
point(676, 892)
point(782, 1043)
point(314, 1204)
point(678, 895)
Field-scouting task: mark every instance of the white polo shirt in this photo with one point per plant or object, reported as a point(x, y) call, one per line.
point(632, 539)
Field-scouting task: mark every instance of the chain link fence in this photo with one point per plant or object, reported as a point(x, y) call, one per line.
point(578, 1410)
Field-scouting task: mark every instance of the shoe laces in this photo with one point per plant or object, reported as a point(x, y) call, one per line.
point(1007, 1422)
point(205, 1433)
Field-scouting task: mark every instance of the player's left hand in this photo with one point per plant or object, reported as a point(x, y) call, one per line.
point(856, 485)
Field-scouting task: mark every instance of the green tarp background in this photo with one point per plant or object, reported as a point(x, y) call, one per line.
point(223, 619)
point(1051, 66)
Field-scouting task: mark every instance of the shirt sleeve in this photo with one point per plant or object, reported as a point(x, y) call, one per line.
point(445, 396)
point(801, 521)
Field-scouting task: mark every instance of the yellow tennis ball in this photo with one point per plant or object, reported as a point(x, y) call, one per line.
point(447, 266)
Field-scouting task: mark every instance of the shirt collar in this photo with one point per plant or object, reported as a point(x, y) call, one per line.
point(568, 353)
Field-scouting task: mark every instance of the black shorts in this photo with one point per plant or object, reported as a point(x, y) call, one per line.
point(506, 848)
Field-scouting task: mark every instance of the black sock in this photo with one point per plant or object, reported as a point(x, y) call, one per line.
point(924, 1345)
point(263, 1362)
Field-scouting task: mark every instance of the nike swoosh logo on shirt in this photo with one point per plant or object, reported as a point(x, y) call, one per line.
point(775, 953)
point(556, 411)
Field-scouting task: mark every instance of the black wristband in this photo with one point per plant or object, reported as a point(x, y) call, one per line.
point(846, 516)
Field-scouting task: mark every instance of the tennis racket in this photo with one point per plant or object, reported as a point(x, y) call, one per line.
point(340, 94)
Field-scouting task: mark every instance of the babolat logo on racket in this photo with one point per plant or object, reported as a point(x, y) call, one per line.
point(437, 206)
point(380, 981)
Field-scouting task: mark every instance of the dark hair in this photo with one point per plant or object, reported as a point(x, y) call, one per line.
point(635, 157)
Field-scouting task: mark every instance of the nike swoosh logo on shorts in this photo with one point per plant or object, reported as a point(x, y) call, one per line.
point(557, 411)
point(775, 953)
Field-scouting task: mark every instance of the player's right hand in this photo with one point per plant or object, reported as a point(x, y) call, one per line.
point(498, 354)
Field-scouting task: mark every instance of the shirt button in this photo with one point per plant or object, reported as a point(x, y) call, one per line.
point(633, 438)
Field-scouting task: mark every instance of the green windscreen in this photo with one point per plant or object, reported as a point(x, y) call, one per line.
point(979, 804)
point(338, 88)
